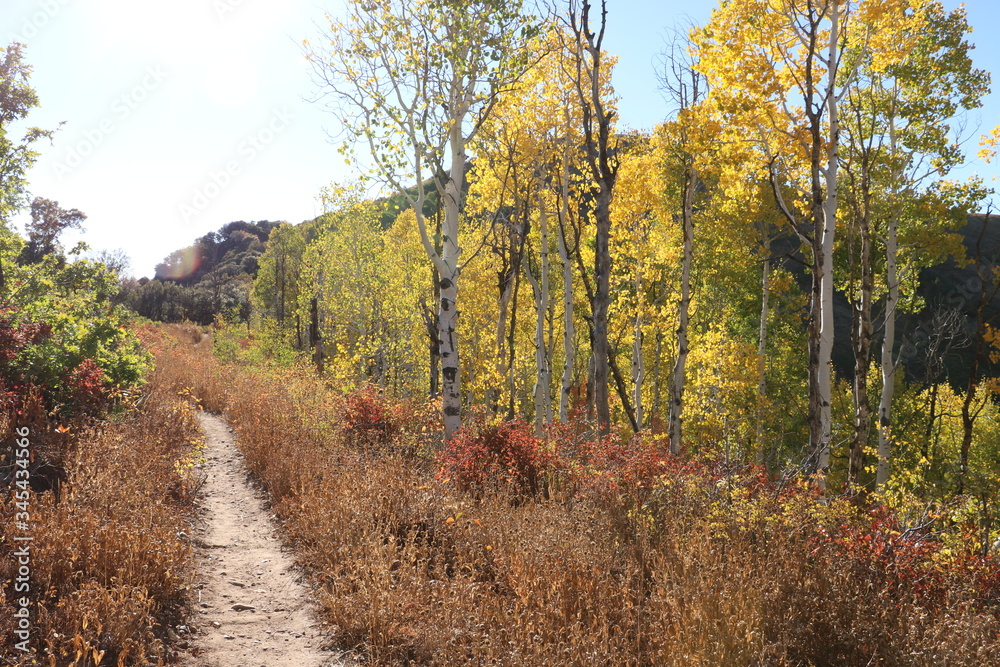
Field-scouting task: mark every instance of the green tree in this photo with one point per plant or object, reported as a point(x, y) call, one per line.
point(277, 286)
point(17, 98)
point(899, 149)
point(778, 70)
point(48, 222)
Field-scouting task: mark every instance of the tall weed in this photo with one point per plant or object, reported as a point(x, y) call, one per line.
point(629, 557)
point(110, 567)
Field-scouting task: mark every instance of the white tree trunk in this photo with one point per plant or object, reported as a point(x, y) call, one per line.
point(765, 302)
point(887, 362)
point(569, 327)
point(683, 308)
point(540, 287)
point(451, 386)
point(824, 263)
point(638, 363)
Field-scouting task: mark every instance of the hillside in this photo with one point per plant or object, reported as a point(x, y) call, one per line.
point(213, 275)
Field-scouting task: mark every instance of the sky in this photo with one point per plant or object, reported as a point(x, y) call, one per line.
point(178, 116)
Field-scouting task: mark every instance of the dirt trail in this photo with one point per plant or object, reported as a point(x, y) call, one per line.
point(252, 609)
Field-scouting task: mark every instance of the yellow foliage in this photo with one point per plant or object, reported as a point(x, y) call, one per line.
point(989, 145)
point(722, 388)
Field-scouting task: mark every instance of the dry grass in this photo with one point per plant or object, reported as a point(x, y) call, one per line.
point(413, 572)
point(109, 572)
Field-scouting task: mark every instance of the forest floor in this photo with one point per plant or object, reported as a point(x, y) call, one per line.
point(251, 608)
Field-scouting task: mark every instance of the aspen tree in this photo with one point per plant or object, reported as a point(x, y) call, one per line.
point(779, 64)
point(914, 76)
point(685, 89)
point(414, 80)
point(601, 160)
point(923, 92)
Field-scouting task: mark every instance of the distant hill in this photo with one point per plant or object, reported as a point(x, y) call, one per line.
point(938, 342)
point(234, 249)
point(935, 344)
point(214, 275)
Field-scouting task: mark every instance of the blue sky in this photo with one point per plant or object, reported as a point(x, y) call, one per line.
point(182, 115)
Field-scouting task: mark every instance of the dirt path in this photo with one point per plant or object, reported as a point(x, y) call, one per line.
point(252, 609)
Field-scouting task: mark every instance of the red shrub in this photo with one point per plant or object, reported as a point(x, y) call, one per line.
point(899, 560)
point(86, 385)
point(615, 465)
point(507, 454)
point(13, 339)
point(14, 386)
point(881, 547)
point(367, 418)
point(980, 575)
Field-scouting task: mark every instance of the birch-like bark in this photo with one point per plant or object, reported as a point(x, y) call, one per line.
point(888, 363)
point(417, 75)
point(657, 354)
point(765, 310)
point(451, 381)
point(683, 307)
point(821, 440)
point(540, 288)
point(500, 342)
point(862, 336)
point(320, 320)
point(638, 364)
point(569, 326)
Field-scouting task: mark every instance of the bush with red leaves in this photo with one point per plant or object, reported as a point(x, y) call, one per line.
point(506, 454)
point(890, 557)
point(15, 338)
point(616, 466)
point(629, 465)
point(368, 419)
point(82, 388)
point(86, 385)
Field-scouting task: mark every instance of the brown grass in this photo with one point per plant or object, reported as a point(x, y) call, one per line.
point(109, 571)
point(413, 572)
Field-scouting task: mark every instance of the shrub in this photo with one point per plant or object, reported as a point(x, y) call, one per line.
point(631, 467)
point(367, 419)
point(505, 454)
point(110, 570)
point(644, 559)
point(86, 385)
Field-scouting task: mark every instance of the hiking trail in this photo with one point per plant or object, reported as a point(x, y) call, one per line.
point(251, 608)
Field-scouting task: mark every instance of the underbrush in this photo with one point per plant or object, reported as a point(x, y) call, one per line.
point(511, 549)
point(109, 568)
